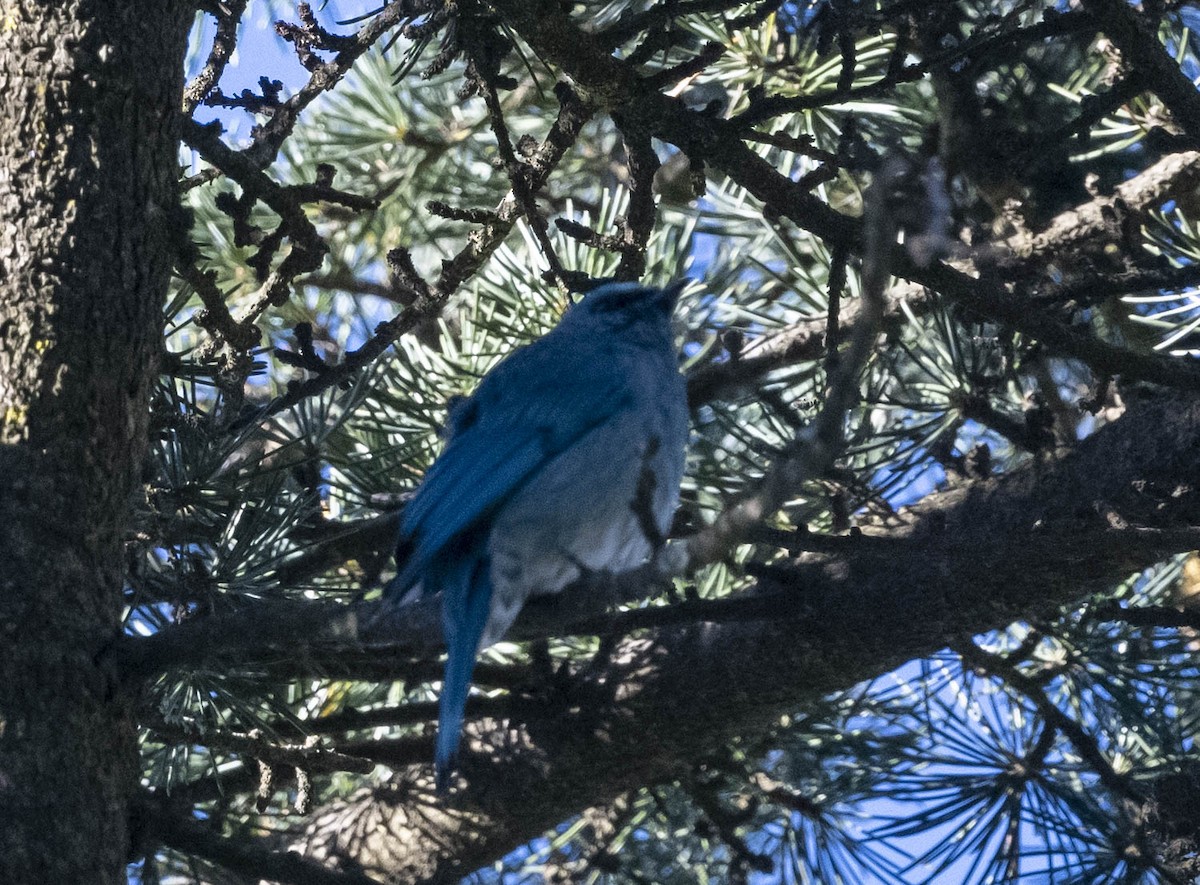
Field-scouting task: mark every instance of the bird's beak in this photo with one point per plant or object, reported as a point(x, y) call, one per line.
point(671, 292)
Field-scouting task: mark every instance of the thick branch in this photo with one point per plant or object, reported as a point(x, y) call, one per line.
point(1137, 39)
point(243, 854)
point(863, 610)
point(1172, 176)
point(825, 623)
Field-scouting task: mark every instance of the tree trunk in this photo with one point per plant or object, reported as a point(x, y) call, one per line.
point(90, 92)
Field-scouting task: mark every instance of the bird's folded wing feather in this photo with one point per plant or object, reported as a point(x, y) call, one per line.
point(524, 413)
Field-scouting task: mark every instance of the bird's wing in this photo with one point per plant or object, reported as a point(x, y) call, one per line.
point(527, 410)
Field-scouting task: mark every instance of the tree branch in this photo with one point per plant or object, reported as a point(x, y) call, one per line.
point(255, 746)
point(811, 456)
point(251, 857)
point(827, 622)
point(573, 114)
point(1137, 39)
point(1173, 175)
point(1085, 744)
point(229, 16)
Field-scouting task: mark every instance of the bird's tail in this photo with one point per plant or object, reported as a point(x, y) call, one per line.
point(467, 596)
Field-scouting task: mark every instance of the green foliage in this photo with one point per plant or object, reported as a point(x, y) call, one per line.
point(943, 771)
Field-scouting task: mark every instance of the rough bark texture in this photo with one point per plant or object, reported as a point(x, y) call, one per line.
point(89, 93)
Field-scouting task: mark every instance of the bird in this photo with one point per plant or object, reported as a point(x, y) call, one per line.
point(566, 461)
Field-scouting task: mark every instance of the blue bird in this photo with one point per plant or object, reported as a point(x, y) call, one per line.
point(566, 460)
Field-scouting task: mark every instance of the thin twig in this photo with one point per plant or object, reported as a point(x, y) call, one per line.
point(519, 177)
point(1085, 745)
point(810, 457)
point(573, 114)
point(224, 43)
point(309, 758)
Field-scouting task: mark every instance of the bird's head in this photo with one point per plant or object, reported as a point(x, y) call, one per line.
point(618, 304)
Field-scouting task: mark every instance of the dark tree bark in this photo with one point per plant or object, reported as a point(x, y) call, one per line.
point(89, 133)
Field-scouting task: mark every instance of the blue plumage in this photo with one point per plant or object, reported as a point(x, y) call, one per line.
point(540, 475)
